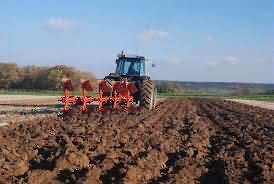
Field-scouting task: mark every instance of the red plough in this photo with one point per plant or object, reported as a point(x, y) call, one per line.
point(122, 94)
point(115, 95)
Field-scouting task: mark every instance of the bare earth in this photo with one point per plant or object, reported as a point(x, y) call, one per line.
point(182, 141)
point(17, 108)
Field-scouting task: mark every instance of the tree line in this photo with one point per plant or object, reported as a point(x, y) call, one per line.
point(13, 76)
point(169, 86)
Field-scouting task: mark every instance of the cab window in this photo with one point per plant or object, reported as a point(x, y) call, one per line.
point(130, 67)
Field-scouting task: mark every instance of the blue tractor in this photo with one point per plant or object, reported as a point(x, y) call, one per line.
point(135, 69)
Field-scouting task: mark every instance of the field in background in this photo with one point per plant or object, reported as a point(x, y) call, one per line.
point(259, 97)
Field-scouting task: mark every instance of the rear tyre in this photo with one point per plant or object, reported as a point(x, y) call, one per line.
point(148, 95)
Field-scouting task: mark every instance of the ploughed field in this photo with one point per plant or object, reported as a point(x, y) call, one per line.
point(181, 141)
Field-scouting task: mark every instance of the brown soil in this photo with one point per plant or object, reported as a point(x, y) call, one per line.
point(181, 141)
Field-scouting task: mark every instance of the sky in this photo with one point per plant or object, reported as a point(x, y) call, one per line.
point(187, 40)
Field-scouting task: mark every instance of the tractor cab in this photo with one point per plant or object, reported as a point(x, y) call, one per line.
point(131, 65)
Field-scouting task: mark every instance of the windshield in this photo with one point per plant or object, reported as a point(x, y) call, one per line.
point(128, 66)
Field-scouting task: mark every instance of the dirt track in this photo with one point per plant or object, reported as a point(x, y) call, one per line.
point(262, 104)
point(22, 108)
point(182, 141)
point(27, 100)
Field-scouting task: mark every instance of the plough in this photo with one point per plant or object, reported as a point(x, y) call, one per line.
point(117, 96)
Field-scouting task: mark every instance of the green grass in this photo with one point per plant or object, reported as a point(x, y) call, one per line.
point(185, 94)
point(255, 97)
point(205, 95)
point(31, 92)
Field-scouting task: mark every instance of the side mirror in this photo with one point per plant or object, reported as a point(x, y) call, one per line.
point(153, 65)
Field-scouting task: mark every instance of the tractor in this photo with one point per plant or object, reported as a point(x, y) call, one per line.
point(130, 85)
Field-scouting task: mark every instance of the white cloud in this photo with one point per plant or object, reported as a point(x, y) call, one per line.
point(231, 60)
point(60, 24)
point(149, 35)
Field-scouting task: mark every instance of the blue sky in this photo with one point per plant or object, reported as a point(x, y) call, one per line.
point(189, 40)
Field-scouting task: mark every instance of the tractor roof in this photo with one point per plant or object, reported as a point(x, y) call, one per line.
point(123, 55)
